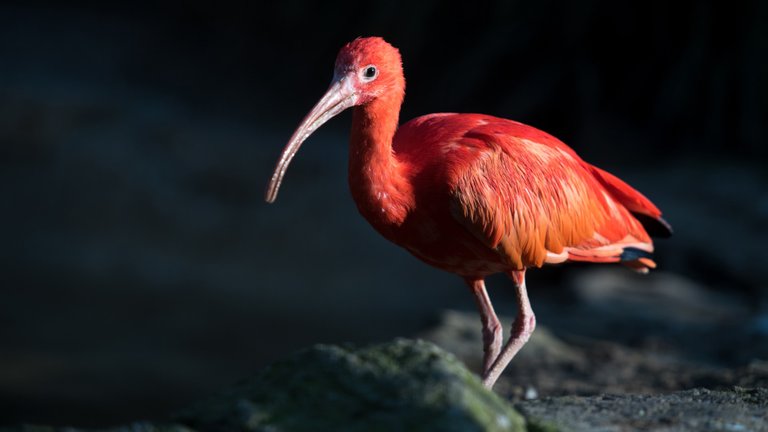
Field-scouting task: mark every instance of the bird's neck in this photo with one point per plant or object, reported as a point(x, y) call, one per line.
point(377, 178)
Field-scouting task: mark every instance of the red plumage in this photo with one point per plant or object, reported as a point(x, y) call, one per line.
point(524, 196)
point(475, 194)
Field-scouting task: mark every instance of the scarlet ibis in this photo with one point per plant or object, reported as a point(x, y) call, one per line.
point(474, 194)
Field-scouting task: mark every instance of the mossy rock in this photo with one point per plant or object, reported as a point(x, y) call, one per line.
point(400, 385)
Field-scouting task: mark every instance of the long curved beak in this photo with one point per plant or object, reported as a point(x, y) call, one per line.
point(339, 96)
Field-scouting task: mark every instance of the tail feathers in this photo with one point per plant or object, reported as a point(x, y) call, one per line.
point(630, 198)
point(633, 253)
point(641, 207)
point(635, 258)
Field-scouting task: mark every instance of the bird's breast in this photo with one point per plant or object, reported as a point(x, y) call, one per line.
point(435, 238)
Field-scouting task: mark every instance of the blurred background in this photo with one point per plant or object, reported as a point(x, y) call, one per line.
point(141, 270)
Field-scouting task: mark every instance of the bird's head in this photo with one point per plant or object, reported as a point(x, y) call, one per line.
point(366, 69)
point(371, 66)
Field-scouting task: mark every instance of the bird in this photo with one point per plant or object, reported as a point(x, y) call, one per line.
point(474, 194)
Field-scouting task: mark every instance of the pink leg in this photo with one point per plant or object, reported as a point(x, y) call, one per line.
point(492, 331)
point(524, 324)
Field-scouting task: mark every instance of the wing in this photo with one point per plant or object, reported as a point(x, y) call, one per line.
point(641, 207)
point(527, 195)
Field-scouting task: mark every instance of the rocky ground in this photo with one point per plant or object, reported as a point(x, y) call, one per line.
point(549, 366)
point(692, 410)
point(417, 386)
point(569, 377)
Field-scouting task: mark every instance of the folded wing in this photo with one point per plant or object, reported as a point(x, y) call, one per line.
point(527, 195)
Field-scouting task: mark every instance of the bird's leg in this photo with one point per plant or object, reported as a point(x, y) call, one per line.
point(492, 330)
point(525, 323)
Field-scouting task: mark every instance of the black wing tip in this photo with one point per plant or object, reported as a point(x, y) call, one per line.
point(633, 254)
point(654, 226)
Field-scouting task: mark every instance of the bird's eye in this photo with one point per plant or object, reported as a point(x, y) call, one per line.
point(369, 73)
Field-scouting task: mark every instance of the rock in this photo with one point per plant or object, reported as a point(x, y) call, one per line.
point(400, 385)
point(414, 385)
point(553, 366)
point(667, 308)
point(692, 410)
point(460, 333)
point(660, 296)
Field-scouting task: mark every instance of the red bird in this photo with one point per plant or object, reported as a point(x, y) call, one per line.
point(474, 194)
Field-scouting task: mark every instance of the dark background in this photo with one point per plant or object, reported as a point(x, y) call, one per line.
point(140, 268)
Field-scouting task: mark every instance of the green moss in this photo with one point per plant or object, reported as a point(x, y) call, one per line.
point(401, 385)
point(536, 425)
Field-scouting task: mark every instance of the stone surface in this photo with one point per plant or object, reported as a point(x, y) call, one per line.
point(400, 385)
point(551, 365)
point(415, 386)
point(691, 410)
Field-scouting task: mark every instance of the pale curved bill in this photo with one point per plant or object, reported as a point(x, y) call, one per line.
point(339, 96)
